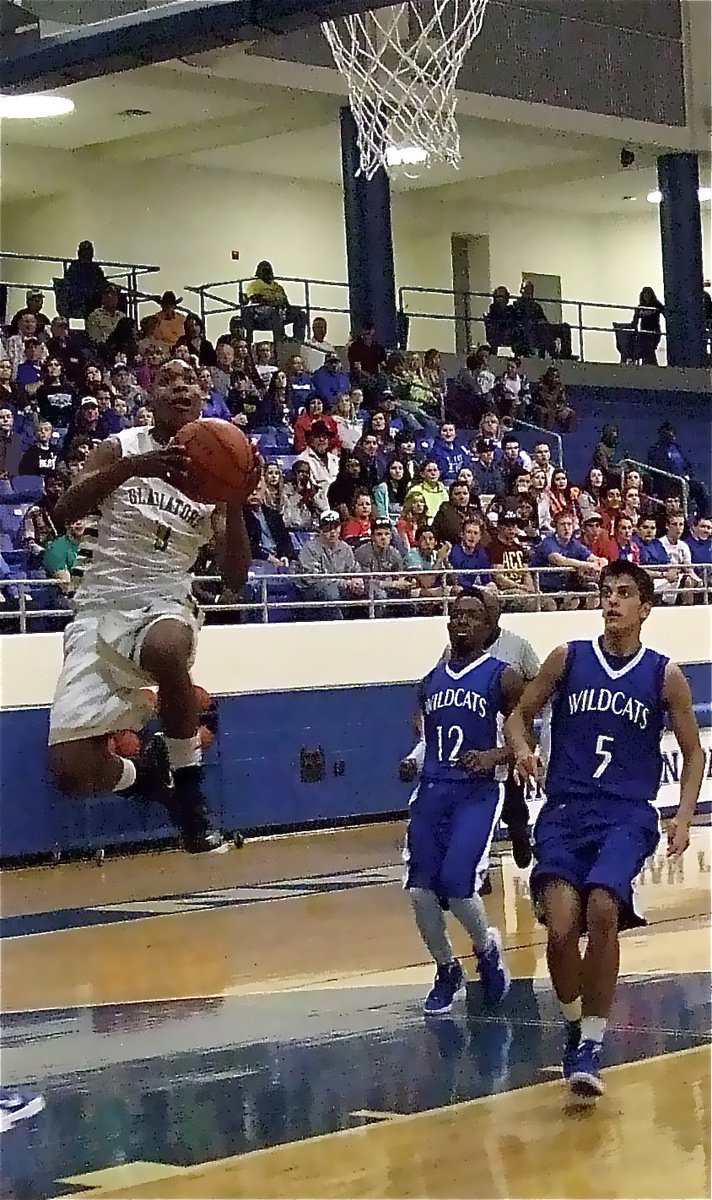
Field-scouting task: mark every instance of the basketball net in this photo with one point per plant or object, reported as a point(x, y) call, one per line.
point(401, 64)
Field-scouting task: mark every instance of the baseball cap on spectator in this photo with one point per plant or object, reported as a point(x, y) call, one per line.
point(332, 358)
point(330, 518)
point(592, 518)
point(483, 445)
point(86, 401)
point(404, 437)
point(34, 294)
point(380, 523)
point(510, 516)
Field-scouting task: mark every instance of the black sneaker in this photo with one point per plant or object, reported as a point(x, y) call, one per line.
point(521, 844)
point(190, 813)
point(154, 777)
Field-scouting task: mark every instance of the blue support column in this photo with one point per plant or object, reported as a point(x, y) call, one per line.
point(369, 242)
point(681, 239)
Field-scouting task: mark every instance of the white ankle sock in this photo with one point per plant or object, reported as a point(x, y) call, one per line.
point(128, 775)
point(593, 1029)
point(184, 752)
point(572, 1010)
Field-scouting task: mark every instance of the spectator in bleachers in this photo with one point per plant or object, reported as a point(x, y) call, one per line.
point(84, 423)
point(350, 478)
point(699, 540)
point(449, 519)
point(267, 306)
point(326, 554)
point(541, 498)
point(514, 460)
point(605, 452)
point(357, 526)
point(10, 592)
point(652, 552)
point(221, 373)
point(169, 325)
point(590, 498)
point(318, 339)
point(11, 448)
point(530, 322)
point(124, 383)
point(672, 507)
point(528, 530)
point(243, 366)
point(84, 281)
point(16, 343)
point(472, 390)
point(65, 346)
point(269, 540)
point(490, 427)
point(76, 453)
point(666, 455)
point(8, 391)
point(272, 409)
point(366, 358)
point(681, 558)
point(390, 495)
point(406, 452)
point(122, 346)
point(550, 407)
point(431, 488)
point(38, 528)
point(512, 391)
point(612, 505)
point(194, 338)
point(153, 359)
point(562, 496)
point(447, 452)
point(29, 372)
point(265, 365)
point(465, 475)
point(273, 479)
point(626, 546)
point(422, 400)
point(373, 462)
point(330, 381)
point(562, 549)
point(468, 554)
point(349, 428)
point(61, 555)
point(541, 457)
point(378, 426)
point(236, 333)
point(102, 321)
point(435, 377)
point(413, 515)
point(426, 556)
point(487, 474)
point(646, 319)
point(34, 300)
point(499, 320)
point(299, 507)
point(302, 425)
point(323, 463)
point(41, 458)
point(596, 539)
point(299, 384)
point(56, 398)
point(143, 417)
point(378, 555)
point(93, 379)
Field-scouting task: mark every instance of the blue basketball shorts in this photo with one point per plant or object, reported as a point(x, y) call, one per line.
point(449, 836)
point(593, 843)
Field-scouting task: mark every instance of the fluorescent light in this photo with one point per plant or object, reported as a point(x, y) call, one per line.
point(703, 194)
point(33, 108)
point(405, 156)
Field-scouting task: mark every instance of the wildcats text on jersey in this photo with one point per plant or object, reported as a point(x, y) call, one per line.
point(456, 698)
point(153, 498)
point(604, 700)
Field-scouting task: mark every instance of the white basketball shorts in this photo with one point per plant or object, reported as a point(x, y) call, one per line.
point(99, 688)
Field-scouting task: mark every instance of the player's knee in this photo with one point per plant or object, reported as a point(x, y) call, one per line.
point(166, 651)
point(601, 912)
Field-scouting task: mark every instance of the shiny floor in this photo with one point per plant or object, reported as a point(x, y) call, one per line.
point(251, 1025)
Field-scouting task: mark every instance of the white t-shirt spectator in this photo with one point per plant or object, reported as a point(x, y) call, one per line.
point(680, 556)
point(323, 474)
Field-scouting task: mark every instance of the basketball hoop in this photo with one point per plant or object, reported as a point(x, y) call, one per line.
point(401, 64)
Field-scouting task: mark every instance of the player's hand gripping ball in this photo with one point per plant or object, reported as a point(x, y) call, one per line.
point(223, 466)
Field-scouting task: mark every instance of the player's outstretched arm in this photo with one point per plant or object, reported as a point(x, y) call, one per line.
point(106, 469)
point(232, 548)
point(519, 726)
point(677, 696)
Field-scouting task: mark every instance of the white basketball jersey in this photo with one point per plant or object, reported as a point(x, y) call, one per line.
point(146, 540)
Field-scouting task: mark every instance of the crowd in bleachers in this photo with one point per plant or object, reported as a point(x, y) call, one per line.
point(375, 463)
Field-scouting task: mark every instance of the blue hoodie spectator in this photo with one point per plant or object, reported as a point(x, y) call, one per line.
point(216, 407)
point(331, 381)
point(666, 455)
point(700, 542)
point(449, 456)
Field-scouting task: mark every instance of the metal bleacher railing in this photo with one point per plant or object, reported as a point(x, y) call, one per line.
point(261, 601)
point(226, 296)
point(125, 275)
point(679, 480)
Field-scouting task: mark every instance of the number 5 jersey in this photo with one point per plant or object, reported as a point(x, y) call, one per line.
point(607, 721)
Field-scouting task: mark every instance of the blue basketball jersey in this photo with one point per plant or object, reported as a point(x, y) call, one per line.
point(606, 726)
point(461, 711)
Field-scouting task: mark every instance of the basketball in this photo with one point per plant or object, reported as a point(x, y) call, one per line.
point(223, 463)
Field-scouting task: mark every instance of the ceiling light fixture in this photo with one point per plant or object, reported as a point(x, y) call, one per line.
point(405, 156)
point(34, 107)
point(703, 194)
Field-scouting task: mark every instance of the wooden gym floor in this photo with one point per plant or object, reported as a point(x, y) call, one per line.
point(250, 1026)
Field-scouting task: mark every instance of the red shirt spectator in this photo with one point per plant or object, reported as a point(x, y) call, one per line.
point(304, 422)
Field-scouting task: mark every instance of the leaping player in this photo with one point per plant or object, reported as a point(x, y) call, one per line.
point(457, 804)
point(136, 623)
point(599, 822)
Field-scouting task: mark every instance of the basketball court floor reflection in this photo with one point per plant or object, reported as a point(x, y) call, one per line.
point(198, 1036)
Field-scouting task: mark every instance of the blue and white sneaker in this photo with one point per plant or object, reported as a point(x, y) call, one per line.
point(449, 980)
point(16, 1106)
point(571, 1045)
point(585, 1077)
point(494, 974)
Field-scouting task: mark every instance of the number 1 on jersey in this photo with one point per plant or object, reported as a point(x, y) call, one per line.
point(605, 755)
point(455, 736)
point(163, 536)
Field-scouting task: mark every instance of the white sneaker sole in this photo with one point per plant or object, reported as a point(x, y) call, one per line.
point(9, 1119)
point(583, 1084)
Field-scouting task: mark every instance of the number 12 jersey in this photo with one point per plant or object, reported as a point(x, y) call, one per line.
point(606, 726)
point(461, 712)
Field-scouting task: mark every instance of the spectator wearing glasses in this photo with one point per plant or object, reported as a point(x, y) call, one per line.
point(323, 463)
